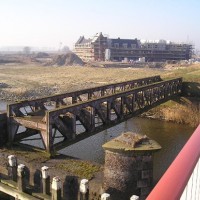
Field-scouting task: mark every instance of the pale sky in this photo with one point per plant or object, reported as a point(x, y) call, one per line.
point(47, 23)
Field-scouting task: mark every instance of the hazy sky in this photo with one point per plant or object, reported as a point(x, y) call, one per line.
point(51, 22)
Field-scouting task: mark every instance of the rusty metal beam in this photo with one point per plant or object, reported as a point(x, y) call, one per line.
point(33, 122)
point(98, 129)
point(78, 106)
point(14, 108)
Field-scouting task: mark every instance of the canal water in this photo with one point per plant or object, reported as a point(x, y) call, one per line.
point(170, 136)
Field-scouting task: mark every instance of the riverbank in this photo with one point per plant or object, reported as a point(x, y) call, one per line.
point(180, 110)
point(36, 159)
point(70, 170)
point(170, 136)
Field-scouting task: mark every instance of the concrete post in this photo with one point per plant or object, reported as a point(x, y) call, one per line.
point(74, 100)
point(89, 95)
point(134, 197)
point(105, 196)
point(84, 189)
point(12, 167)
point(45, 180)
point(56, 189)
point(21, 183)
point(128, 166)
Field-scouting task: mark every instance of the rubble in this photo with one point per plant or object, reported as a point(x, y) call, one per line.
point(69, 59)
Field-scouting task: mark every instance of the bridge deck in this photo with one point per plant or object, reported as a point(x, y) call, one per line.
point(92, 116)
point(33, 122)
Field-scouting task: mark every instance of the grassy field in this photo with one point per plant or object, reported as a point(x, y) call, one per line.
point(23, 81)
point(190, 73)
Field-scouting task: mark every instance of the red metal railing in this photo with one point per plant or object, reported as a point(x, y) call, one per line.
point(173, 182)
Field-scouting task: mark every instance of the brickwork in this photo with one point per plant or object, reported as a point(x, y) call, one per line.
point(128, 171)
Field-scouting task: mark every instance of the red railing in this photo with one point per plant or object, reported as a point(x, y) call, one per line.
point(175, 179)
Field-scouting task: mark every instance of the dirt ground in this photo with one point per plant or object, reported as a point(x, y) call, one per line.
point(19, 82)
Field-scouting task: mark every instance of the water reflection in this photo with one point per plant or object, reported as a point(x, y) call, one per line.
point(3, 106)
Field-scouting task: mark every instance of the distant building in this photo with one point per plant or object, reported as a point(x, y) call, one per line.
point(103, 48)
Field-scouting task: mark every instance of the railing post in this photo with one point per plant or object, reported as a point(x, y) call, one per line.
point(108, 112)
point(134, 197)
point(56, 188)
point(84, 189)
point(105, 196)
point(89, 95)
point(12, 167)
point(45, 180)
point(21, 177)
point(74, 100)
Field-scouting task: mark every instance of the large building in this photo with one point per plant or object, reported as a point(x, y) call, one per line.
point(103, 48)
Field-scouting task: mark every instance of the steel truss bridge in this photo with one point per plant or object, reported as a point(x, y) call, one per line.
point(64, 119)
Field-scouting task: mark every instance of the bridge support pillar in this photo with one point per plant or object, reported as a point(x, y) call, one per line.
point(128, 166)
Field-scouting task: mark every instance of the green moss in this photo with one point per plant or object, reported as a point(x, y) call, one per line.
point(83, 169)
point(29, 155)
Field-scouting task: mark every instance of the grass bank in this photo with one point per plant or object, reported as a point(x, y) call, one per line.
point(191, 79)
point(180, 110)
point(184, 110)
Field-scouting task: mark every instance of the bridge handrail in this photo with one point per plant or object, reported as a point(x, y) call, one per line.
point(87, 90)
point(173, 182)
point(64, 109)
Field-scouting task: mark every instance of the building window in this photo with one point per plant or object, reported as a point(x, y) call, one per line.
point(125, 45)
point(133, 46)
point(116, 45)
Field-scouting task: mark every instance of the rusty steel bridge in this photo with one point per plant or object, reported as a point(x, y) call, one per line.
point(64, 119)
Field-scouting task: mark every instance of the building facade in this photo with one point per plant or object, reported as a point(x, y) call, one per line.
point(101, 48)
